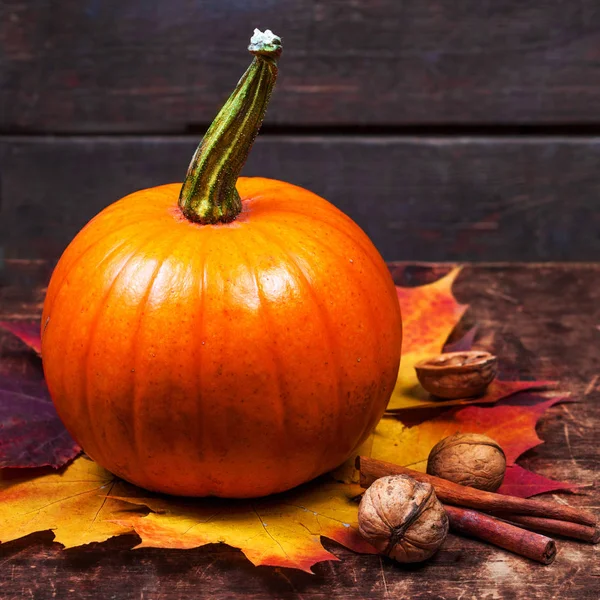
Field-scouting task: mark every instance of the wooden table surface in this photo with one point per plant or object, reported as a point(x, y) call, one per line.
point(543, 320)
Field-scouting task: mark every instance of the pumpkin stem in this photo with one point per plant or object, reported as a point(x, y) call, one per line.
point(208, 194)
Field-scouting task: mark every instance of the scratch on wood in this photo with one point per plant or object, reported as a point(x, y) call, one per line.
point(566, 429)
point(559, 499)
point(281, 574)
point(497, 294)
point(385, 587)
point(591, 385)
point(573, 419)
point(19, 315)
point(567, 579)
point(200, 572)
point(354, 577)
point(518, 205)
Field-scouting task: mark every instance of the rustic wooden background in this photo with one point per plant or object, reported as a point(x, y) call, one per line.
point(448, 130)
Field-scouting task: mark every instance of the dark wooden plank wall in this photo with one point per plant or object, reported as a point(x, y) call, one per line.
point(448, 130)
point(418, 198)
point(148, 64)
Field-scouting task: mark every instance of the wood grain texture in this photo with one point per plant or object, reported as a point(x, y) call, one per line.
point(429, 198)
point(541, 319)
point(135, 65)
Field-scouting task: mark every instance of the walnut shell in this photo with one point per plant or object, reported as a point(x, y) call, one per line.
point(402, 518)
point(471, 459)
point(457, 374)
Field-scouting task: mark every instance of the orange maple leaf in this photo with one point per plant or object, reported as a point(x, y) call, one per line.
point(429, 314)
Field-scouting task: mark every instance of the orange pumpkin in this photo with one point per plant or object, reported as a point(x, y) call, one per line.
point(195, 350)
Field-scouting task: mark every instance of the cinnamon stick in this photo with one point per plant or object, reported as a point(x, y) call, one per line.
point(575, 531)
point(455, 494)
point(510, 537)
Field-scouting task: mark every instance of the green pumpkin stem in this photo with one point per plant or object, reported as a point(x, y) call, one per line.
point(208, 194)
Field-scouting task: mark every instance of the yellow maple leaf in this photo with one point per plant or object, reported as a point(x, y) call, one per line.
point(74, 503)
point(283, 530)
point(513, 427)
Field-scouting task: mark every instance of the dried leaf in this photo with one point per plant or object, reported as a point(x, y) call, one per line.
point(511, 425)
point(429, 314)
point(282, 530)
point(497, 390)
point(31, 434)
point(73, 503)
point(523, 483)
point(28, 331)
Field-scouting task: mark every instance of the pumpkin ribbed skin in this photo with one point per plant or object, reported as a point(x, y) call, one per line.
point(235, 360)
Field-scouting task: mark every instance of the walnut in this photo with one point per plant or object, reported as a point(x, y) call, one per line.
point(402, 518)
point(470, 459)
point(457, 374)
